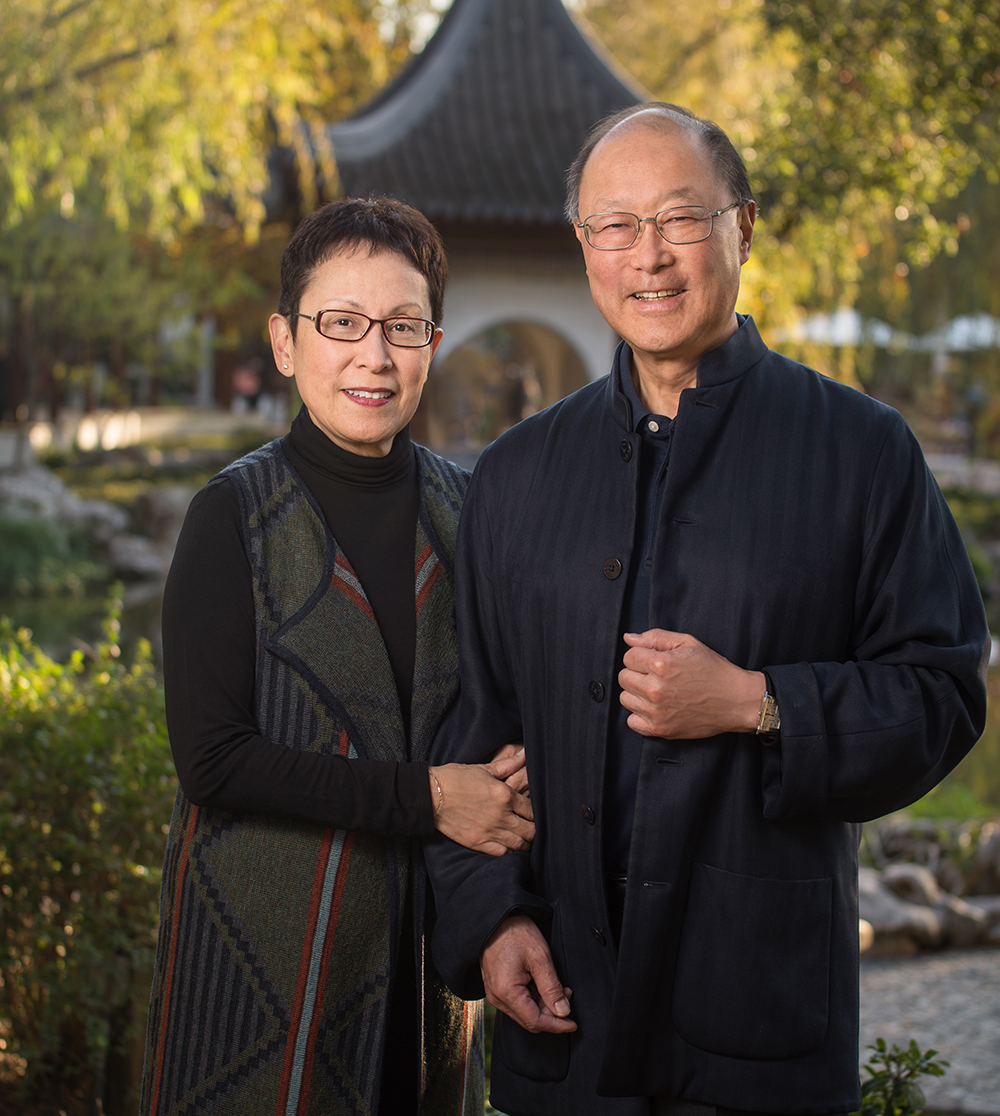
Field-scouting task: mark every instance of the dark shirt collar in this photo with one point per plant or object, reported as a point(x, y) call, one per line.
point(638, 410)
point(728, 362)
point(333, 461)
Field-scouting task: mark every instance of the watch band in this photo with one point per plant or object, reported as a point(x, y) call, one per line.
point(769, 719)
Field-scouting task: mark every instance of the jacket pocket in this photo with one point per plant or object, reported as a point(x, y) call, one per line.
point(541, 1057)
point(753, 968)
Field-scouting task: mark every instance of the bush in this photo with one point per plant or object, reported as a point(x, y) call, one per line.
point(41, 557)
point(86, 785)
point(891, 1088)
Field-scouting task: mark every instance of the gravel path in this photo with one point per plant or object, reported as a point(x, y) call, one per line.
point(950, 1001)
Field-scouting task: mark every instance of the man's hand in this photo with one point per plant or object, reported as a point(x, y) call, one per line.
point(476, 807)
point(677, 688)
point(521, 980)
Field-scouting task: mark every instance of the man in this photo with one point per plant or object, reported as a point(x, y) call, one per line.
point(723, 602)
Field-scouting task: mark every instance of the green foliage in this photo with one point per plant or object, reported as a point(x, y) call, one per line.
point(169, 103)
point(86, 785)
point(42, 558)
point(891, 1088)
point(856, 119)
point(952, 800)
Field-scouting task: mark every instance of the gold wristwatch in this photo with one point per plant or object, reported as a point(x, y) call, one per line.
point(769, 719)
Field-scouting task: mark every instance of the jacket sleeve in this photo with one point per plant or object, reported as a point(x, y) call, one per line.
point(209, 656)
point(870, 735)
point(474, 892)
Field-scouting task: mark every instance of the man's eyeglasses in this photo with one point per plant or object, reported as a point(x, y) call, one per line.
point(348, 325)
point(685, 224)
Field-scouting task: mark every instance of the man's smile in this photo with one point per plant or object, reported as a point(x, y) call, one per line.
point(652, 296)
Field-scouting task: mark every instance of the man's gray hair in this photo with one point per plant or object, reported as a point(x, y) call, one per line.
point(728, 163)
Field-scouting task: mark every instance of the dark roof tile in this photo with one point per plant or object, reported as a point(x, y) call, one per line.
point(483, 123)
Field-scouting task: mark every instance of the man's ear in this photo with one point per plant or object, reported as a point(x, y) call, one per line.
point(282, 344)
point(747, 217)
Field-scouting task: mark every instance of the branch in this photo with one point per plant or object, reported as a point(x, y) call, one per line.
point(22, 95)
point(57, 17)
point(673, 71)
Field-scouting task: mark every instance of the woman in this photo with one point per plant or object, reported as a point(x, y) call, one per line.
point(309, 656)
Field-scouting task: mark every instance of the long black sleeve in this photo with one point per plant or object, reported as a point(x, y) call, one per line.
point(209, 660)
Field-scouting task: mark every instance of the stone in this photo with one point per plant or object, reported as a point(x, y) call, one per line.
point(962, 923)
point(37, 493)
point(989, 905)
point(132, 556)
point(866, 935)
point(986, 864)
point(912, 882)
point(899, 926)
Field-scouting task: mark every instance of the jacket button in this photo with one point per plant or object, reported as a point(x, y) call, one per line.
point(625, 449)
point(588, 815)
point(612, 568)
point(596, 691)
point(597, 934)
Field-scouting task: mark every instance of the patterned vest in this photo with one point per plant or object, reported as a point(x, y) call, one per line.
point(277, 935)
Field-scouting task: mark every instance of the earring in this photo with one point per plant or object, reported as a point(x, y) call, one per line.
point(284, 366)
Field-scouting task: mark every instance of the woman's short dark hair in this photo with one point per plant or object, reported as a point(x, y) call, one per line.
point(382, 224)
point(728, 163)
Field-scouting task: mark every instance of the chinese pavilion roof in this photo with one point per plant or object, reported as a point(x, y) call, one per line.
point(483, 123)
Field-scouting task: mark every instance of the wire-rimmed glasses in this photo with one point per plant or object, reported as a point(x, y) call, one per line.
point(683, 224)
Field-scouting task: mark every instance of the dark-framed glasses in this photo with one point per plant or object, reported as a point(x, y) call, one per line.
point(682, 224)
point(349, 325)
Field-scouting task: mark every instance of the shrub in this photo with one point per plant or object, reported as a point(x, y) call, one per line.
point(86, 785)
point(44, 558)
point(891, 1088)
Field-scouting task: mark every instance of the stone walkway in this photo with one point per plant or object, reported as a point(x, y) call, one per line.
point(949, 1001)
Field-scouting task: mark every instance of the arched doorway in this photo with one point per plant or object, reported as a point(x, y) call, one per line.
point(491, 381)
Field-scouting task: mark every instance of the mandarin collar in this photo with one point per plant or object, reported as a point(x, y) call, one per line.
point(333, 461)
point(719, 366)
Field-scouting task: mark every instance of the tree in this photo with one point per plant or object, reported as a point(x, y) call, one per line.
point(855, 120)
point(165, 103)
point(138, 145)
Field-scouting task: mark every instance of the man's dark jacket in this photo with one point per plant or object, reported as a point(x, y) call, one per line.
point(801, 534)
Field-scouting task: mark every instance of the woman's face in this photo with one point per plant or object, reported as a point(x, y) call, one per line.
point(359, 393)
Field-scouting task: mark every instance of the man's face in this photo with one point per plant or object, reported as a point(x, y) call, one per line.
point(670, 302)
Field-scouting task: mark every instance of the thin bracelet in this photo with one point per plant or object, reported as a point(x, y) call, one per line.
point(440, 801)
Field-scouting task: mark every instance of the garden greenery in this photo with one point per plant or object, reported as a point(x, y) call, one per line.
point(86, 785)
point(891, 1088)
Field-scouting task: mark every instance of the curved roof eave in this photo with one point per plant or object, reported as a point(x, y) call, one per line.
point(391, 114)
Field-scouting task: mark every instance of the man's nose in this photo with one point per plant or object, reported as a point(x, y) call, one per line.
point(649, 248)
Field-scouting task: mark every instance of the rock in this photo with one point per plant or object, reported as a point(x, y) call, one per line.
point(912, 882)
point(963, 924)
point(159, 512)
point(134, 556)
point(37, 493)
point(960, 923)
point(899, 926)
point(866, 935)
point(990, 906)
point(985, 878)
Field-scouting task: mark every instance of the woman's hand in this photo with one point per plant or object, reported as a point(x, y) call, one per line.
point(475, 807)
point(518, 780)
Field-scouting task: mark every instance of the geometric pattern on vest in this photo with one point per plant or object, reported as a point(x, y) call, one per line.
point(271, 987)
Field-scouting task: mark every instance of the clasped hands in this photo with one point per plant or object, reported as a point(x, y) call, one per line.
point(675, 688)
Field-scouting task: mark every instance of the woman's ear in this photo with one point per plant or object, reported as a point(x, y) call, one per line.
point(282, 344)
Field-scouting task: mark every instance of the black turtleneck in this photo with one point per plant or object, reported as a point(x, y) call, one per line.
point(209, 652)
point(370, 504)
